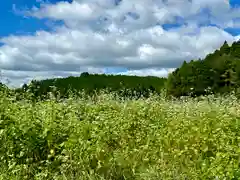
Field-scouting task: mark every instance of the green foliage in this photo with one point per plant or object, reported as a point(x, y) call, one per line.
point(105, 137)
point(3, 87)
point(225, 49)
point(235, 50)
point(126, 127)
point(219, 72)
point(126, 86)
point(85, 74)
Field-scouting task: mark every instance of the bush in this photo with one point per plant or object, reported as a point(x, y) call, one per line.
point(110, 138)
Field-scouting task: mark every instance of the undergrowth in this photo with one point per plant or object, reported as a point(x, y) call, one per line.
point(113, 139)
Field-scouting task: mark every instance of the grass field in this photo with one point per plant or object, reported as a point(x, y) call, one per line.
point(108, 138)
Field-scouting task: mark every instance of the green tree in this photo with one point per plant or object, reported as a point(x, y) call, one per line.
point(219, 71)
point(235, 49)
point(225, 49)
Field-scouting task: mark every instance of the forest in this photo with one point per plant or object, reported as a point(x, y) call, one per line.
point(125, 86)
point(217, 73)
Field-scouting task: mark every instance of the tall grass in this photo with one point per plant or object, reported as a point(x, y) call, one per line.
point(109, 138)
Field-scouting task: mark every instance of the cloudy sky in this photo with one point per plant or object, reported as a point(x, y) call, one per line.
point(54, 38)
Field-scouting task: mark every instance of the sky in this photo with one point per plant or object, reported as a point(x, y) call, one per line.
point(42, 39)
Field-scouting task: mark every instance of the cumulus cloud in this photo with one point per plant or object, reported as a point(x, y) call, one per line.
point(16, 78)
point(110, 33)
point(147, 12)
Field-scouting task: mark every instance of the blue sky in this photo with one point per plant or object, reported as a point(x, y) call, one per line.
point(13, 23)
point(16, 24)
point(42, 39)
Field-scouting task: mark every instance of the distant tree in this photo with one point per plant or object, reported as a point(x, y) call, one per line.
point(235, 49)
point(127, 86)
point(24, 87)
point(225, 49)
point(85, 74)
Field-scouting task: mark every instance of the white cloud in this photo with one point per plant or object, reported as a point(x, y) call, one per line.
point(16, 78)
point(66, 11)
point(98, 34)
point(149, 12)
point(162, 72)
point(237, 38)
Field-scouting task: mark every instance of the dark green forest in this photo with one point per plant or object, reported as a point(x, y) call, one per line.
point(125, 86)
point(217, 73)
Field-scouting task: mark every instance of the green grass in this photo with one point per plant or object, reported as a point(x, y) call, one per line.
point(109, 138)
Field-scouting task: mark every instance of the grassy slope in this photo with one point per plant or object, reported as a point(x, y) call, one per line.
point(112, 139)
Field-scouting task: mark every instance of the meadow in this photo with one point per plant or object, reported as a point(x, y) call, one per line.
point(114, 139)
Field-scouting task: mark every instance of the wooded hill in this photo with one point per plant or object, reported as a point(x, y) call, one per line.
point(127, 86)
point(217, 73)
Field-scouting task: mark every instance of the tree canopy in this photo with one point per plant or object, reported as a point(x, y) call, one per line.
point(218, 72)
point(127, 86)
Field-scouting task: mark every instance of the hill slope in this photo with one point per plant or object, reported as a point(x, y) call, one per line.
point(219, 72)
point(124, 85)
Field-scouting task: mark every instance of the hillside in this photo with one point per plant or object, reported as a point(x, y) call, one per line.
point(218, 72)
point(91, 83)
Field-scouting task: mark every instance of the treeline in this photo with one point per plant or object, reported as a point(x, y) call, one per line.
point(217, 73)
point(125, 86)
